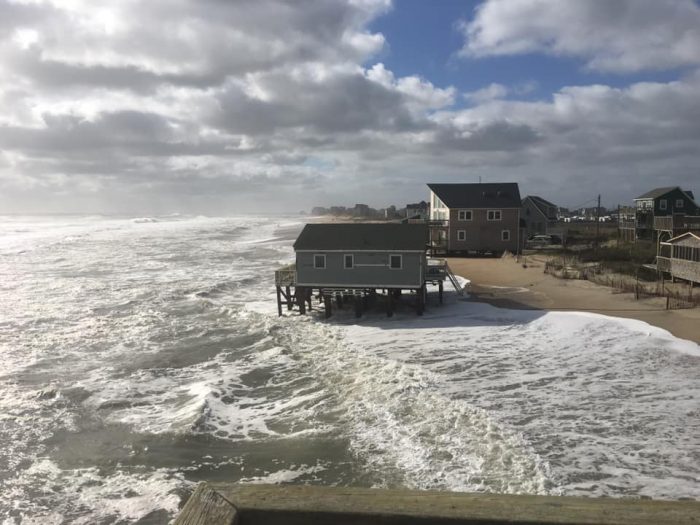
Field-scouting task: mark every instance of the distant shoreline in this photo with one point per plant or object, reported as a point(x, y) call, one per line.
point(505, 283)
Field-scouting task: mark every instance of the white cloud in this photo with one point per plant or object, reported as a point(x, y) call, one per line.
point(491, 92)
point(618, 36)
point(215, 105)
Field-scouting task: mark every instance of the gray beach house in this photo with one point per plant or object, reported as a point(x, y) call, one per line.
point(366, 255)
point(475, 218)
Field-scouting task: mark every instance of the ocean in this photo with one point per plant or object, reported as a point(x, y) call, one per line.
point(142, 355)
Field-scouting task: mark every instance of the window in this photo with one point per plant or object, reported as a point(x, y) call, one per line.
point(320, 261)
point(395, 262)
point(662, 204)
point(461, 235)
point(464, 215)
point(494, 215)
point(679, 203)
point(505, 235)
point(349, 261)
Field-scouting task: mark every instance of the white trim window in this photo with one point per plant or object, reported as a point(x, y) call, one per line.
point(348, 261)
point(494, 215)
point(679, 203)
point(465, 215)
point(395, 261)
point(319, 261)
point(663, 204)
point(461, 235)
point(505, 235)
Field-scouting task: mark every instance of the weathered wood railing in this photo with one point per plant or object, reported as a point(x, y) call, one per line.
point(232, 503)
point(677, 222)
point(286, 276)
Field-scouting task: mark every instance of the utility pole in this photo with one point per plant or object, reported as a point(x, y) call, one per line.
point(597, 225)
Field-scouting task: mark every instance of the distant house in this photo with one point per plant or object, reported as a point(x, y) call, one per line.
point(419, 210)
point(652, 207)
point(680, 257)
point(475, 218)
point(361, 256)
point(361, 210)
point(539, 215)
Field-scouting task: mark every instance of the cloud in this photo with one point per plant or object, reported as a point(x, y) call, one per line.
point(216, 106)
point(491, 92)
point(617, 36)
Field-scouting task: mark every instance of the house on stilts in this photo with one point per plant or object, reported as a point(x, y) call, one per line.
point(680, 257)
point(355, 263)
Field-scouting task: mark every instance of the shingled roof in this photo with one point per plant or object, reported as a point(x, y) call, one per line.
point(541, 204)
point(660, 192)
point(364, 236)
point(657, 192)
point(486, 195)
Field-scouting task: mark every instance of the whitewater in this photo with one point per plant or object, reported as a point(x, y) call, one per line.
point(143, 355)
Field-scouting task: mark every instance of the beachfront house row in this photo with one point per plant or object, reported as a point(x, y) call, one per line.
point(475, 218)
point(539, 215)
point(680, 257)
point(361, 256)
point(661, 210)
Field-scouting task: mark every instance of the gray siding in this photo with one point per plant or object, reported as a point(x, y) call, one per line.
point(482, 234)
point(379, 275)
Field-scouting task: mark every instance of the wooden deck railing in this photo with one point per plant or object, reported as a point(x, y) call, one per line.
point(286, 276)
point(663, 264)
point(679, 223)
point(232, 503)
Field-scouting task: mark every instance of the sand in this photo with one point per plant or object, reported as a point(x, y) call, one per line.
point(507, 284)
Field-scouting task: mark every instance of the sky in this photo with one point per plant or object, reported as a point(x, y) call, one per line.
point(275, 106)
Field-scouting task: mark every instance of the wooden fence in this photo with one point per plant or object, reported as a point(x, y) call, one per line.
point(677, 295)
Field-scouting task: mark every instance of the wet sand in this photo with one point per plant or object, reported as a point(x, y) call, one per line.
point(507, 284)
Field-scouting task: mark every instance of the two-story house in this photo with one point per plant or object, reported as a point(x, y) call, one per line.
point(475, 218)
point(668, 202)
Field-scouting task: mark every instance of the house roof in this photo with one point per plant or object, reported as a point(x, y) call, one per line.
point(486, 195)
point(364, 236)
point(683, 236)
point(540, 204)
point(658, 192)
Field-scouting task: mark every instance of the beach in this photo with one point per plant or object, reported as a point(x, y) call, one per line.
point(506, 283)
point(142, 355)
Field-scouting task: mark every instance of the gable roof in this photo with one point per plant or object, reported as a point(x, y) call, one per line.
point(486, 195)
point(540, 201)
point(364, 236)
point(682, 236)
point(658, 192)
point(541, 204)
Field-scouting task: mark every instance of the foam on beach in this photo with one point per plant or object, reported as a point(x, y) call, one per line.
point(155, 358)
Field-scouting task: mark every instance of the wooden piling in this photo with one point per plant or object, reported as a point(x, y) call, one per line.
point(440, 287)
point(279, 301)
point(358, 306)
point(389, 304)
point(289, 297)
point(327, 303)
point(301, 299)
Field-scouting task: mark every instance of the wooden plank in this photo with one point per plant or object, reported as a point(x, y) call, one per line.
point(295, 504)
point(206, 506)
